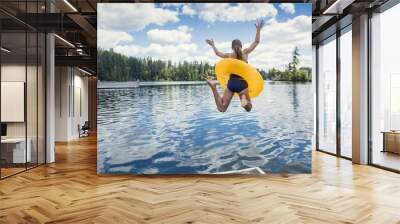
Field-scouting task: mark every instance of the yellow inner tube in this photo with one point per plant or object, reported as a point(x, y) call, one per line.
point(228, 66)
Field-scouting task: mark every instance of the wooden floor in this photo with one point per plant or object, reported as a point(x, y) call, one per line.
point(5, 172)
point(70, 191)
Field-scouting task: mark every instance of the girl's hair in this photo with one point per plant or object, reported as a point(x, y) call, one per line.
point(237, 48)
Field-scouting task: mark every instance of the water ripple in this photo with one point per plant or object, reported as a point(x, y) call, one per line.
point(178, 130)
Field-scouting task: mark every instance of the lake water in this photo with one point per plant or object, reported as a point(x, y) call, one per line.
point(176, 129)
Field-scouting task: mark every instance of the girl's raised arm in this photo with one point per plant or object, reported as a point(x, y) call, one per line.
point(216, 51)
point(259, 25)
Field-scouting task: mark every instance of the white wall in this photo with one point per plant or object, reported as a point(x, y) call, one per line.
point(33, 126)
point(13, 101)
point(62, 81)
point(70, 84)
point(12, 73)
point(81, 108)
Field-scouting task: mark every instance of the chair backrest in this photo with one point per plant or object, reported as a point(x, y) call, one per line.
point(86, 125)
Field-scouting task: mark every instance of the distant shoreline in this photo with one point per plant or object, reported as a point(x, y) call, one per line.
point(136, 84)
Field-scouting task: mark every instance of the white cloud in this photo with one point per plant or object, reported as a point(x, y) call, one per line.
point(107, 39)
point(132, 17)
point(225, 12)
point(172, 5)
point(278, 40)
point(130, 50)
point(173, 52)
point(188, 10)
point(180, 35)
point(287, 7)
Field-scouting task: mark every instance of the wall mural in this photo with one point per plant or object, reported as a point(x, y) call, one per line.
point(204, 88)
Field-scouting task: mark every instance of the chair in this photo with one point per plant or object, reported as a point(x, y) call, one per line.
point(84, 130)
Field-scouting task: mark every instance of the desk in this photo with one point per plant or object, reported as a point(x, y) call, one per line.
point(391, 141)
point(18, 150)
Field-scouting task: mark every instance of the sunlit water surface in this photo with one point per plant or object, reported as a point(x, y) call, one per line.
point(177, 129)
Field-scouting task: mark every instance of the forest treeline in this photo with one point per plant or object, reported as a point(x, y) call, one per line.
point(292, 72)
point(113, 66)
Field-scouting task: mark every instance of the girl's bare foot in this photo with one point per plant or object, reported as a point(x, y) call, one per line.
point(244, 102)
point(211, 84)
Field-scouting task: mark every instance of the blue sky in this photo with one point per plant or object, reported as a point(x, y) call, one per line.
point(178, 31)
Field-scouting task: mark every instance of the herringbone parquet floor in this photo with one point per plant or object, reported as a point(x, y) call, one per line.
point(70, 191)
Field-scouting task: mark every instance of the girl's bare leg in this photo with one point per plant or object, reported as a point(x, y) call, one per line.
point(221, 102)
point(245, 100)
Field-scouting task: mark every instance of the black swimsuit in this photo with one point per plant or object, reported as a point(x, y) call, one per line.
point(236, 84)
